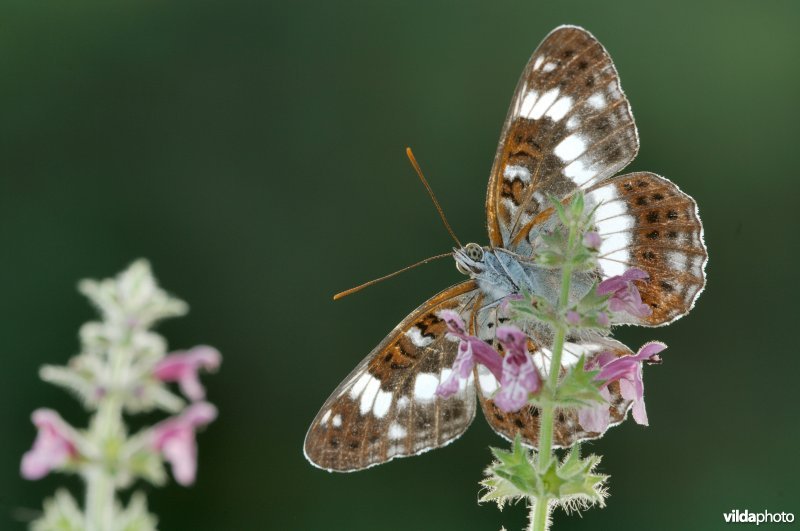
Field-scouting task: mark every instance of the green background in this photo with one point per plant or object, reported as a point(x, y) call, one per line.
point(253, 152)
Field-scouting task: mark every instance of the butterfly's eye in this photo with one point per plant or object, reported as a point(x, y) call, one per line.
point(474, 251)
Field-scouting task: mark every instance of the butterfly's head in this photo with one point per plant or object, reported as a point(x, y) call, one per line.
point(469, 259)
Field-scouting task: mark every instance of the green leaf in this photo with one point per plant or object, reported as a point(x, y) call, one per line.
point(550, 259)
point(589, 219)
point(533, 306)
point(499, 491)
point(579, 388)
point(552, 482)
point(592, 301)
point(562, 214)
point(551, 253)
point(577, 206)
point(583, 259)
point(577, 479)
point(513, 476)
point(590, 307)
point(516, 468)
point(525, 305)
point(573, 483)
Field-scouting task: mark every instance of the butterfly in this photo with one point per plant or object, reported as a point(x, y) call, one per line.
point(569, 128)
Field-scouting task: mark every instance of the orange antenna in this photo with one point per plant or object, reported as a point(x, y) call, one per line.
point(386, 277)
point(430, 192)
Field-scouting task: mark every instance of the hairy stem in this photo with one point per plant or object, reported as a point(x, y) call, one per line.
point(545, 454)
point(539, 520)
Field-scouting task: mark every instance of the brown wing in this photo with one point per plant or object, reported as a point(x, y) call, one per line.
point(386, 407)
point(566, 430)
point(569, 126)
point(648, 223)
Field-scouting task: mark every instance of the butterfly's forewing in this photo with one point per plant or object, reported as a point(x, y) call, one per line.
point(569, 126)
point(648, 223)
point(387, 407)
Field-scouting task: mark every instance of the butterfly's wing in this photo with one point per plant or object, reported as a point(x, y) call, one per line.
point(566, 428)
point(569, 126)
point(387, 407)
point(647, 222)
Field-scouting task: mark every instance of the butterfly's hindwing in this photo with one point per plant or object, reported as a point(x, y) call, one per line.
point(569, 126)
point(387, 407)
point(566, 428)
point(648, 223)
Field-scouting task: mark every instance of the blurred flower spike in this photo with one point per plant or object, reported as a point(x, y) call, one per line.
point(122, 367)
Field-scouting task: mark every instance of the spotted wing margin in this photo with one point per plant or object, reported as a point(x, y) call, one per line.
point(566, 428)
point(569, 126)
point(387, 407)
point(649, 223)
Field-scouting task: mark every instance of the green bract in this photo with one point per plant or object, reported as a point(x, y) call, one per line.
point(578, 387)
point(572, 484)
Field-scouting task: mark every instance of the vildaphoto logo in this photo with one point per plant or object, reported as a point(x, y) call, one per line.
point(746, 517)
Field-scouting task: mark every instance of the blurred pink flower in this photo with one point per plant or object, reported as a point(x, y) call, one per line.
point(471, 350)
point(519, 377)
point(53, 448)
point(183, 367)
point(624, 295)
point(175, 439)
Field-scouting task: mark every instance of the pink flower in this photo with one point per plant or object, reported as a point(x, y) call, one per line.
point(592, 240)
point(175, 439)
point(471, 350)
point(53, 448)
point(597, 417)
point(182, 367)
point(628, 371)
point(519, 377)
point(573, 318)
point(624, 295)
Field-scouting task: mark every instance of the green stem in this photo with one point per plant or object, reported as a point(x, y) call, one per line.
point(545, 454)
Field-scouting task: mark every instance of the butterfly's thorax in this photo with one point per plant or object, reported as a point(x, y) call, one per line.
point(502, 273)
